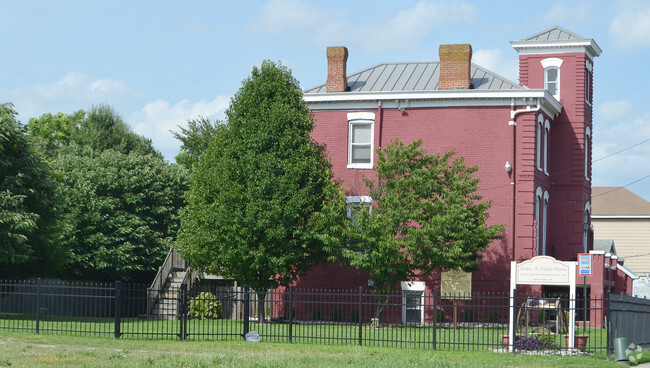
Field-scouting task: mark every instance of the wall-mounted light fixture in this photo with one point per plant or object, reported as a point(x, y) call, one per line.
point(508, 166)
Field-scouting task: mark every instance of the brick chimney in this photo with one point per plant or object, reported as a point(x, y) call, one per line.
point(337, 58)
point(455, 63)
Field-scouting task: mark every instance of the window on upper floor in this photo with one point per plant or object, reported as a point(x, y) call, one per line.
point(538, 140)
point(552, 76)
point(588, 82)
point(360, 140)
point(547, 128)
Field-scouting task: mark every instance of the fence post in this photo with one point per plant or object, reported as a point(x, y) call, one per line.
point(290, 314)
point(118, 309)
point(182, 314)
point(360, 314)
point(608, 324)
point(38, 305)
point(246, 309)
point(435, 318)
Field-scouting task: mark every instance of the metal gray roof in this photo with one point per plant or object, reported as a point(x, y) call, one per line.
point(605, 245)
point(559, 37)
point(554, 34)
point(412, 77)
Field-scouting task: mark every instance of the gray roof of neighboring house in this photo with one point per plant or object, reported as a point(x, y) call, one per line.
point(412, 77)
point(605, 245)
point(617, 201)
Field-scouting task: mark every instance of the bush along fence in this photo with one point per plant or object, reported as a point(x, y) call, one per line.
point(342, 317)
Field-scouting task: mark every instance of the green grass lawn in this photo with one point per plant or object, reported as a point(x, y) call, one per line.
point(20, 349)
point(472, 339)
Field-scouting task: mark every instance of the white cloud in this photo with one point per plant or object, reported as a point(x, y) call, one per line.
point(301, 20)
point(569, 16)
point(611, 111)
point(494, 61)
point(407, 27)
point(157, 118)
point(630, 28)
point(621, 152)
point(74, 91)
point(280, 16)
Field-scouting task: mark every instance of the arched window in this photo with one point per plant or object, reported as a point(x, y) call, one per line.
point(552, 76)
point(538, 218)
point(545, 220)
point(538, 139)
point(547, 128)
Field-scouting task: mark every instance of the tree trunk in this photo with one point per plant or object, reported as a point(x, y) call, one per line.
point(261, 297)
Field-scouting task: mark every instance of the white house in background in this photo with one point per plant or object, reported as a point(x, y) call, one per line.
point(624, 217)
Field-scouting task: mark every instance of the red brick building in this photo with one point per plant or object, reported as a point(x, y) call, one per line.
point(531, 141)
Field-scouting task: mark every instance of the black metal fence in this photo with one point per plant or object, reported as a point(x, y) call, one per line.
point(341, 317)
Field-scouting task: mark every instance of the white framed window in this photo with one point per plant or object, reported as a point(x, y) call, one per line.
point(588, 81)
point(545, 221)
point(587, 151)
point(412, 302)
point(354, 205)
point(538, 139)
point(538, 222)
point(547, 128)
point(360, 140)
point(552, 76)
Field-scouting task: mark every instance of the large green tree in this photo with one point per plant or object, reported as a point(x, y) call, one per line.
point(121, 212)
point(100, 128)
point(262, 208)
point(27, 201)
point(425, 216)
point(195, 139)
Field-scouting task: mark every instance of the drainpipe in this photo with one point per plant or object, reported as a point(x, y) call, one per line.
point(513, 123)
point(379, 123)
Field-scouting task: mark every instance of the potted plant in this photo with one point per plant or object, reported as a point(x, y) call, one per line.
point(579, 341)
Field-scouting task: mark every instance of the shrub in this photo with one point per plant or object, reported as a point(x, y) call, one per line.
point(204, 306)
point(315, 315)
point(335, 314)
point(534, 343)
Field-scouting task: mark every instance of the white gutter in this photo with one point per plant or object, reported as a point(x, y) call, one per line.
point(627, 271)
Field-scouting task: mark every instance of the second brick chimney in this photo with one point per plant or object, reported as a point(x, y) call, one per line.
point(455, 63)
point(337, 58)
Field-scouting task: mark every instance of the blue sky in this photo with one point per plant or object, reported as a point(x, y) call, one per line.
point(160, 63)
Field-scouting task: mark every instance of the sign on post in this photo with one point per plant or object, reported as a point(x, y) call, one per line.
point(584, 264)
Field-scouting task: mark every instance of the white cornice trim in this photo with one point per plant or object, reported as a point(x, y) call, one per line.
point(620, 216)
point(561, 47)
point(347, 100)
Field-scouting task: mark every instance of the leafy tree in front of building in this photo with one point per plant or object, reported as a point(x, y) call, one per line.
point(262, 207)
point(425, 216)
